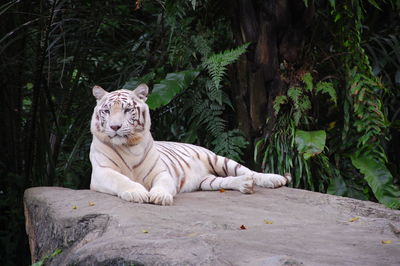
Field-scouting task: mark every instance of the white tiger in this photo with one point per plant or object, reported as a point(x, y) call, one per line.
point(127, 162)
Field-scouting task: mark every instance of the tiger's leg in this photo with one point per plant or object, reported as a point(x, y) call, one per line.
point(163, 189)
point(243, 183)
point(224, 166)
point(109, 181)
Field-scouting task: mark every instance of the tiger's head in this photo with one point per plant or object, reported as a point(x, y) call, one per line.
point(121, 117)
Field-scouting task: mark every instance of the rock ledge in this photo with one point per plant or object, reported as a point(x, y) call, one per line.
point(279, 227)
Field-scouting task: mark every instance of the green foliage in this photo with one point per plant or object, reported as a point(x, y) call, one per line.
point(216, 63)
point(300, 98)
point(379, 179)
point(230, 143)
point(370, 120)
point(166, 89)
point(47, 257)
point(207, 111)
point(310, 143)
point(354, 118)
point(291, 149)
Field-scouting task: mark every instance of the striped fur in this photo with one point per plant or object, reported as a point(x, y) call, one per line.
point(127, 162)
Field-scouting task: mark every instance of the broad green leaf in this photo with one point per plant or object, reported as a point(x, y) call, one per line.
point(310, 143)
point(173, 84)
point(132, 83)
point(379, 179)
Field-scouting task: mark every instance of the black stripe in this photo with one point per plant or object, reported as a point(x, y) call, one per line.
point(225, 166)
point(193, 149)
point(210, 163)
point(168, 169)
point(144, 117)
point(152, 181)
point(178, 148)
point(172, 162)
point(147, 150)
point(109, 145)
point(172, 151)
point(105, 155)
point(181, 183)
point(212, 182)
point(154, 165)
point(169, 152)
point(236, 167)
point(202, 182)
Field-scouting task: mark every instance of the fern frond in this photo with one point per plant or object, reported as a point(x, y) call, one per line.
point(279, 100)
point(230, 144)
point(215, 125)
point(308, 80)
point(294, 94)
point(216, 63)
point(327, 88)
point(304, 104)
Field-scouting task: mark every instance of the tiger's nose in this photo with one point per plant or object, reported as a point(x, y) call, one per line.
point(115, 127)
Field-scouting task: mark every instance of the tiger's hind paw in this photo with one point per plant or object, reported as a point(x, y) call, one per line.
point(160, 196)
point(271, 180)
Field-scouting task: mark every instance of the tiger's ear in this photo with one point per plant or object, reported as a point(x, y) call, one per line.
point(98, 92)
point(141, 92)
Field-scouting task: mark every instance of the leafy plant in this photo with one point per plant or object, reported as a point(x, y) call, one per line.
point(310, 143)
point(47, 257)
point(293, 147)
point(379, 179)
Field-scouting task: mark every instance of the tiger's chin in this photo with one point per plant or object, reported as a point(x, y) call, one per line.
point(118, 140)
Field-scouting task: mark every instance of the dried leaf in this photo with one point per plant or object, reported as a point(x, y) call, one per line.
point(137, 4)
point(354, 219)
point(221, 190)
point(268, 222)
point(386, 241)
point(242, 227)
point(74, 207)
point(91, 203)
point(145, 231)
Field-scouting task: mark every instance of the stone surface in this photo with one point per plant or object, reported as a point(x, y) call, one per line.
point(204, 228)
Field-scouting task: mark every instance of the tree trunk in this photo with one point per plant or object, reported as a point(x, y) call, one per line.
point(274, 30)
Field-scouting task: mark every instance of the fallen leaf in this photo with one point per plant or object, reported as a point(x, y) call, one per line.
point(221, 190)
point(91, 203)
point(268, 222)
point(386, 241)
point(354, 219)
point(242, 227)
point(74, 207)
point(145, 231)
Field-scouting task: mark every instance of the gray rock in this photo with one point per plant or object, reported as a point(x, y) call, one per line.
point(204, 228)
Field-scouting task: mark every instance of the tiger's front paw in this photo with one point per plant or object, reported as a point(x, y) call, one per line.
point(246, 185)
point(138, 194)
point(160, 196)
